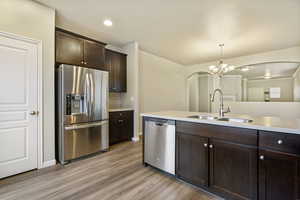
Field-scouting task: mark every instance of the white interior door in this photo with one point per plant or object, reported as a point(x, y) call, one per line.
point(18, 102)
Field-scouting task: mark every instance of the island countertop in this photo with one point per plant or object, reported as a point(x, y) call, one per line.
point(264, 123)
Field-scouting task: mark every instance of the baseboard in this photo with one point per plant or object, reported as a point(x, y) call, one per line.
point(49, 163)
point(135, 139)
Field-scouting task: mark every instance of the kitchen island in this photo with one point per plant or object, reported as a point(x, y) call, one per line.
point(256, 159)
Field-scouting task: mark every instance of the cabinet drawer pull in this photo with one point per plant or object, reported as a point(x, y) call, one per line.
point(205, 144)
point(120, 121)
point(211, 146)
point(261, 157)
point(279, 142)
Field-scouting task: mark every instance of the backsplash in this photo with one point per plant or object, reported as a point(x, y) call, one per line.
point(115, 100)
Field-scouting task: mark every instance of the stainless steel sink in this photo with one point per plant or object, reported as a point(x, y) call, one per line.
point(225, 119)
point(203, 117)
point(240, 120)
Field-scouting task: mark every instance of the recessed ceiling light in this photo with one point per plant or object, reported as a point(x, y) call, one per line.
point(107, 22)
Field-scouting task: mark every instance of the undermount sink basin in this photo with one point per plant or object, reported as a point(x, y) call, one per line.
point(240, 120)
point(225, 119)
point(203, 117)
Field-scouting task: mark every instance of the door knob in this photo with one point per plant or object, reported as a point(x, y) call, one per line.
point(211, 146)
point(205, 144)
point(33, 112)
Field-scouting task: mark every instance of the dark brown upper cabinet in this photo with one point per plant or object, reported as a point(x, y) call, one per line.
point(116, 63)
point(78, 50)
point(69, 49)
point(94, 55)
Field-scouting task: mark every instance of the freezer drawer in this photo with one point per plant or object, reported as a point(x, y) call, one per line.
point(160, 144)
point(84, 139)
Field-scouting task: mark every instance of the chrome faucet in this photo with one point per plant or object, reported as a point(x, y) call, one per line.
point(221, 108)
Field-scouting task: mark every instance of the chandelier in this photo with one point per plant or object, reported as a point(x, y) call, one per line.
point(221, 68)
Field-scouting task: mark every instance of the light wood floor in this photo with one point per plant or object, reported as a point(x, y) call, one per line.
point(115, 175)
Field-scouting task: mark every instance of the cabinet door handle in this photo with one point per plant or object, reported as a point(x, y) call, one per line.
point(82, 62)
point(120, 121)
point(261, 157)
point(205, 144)
point(279, 142)
point(211, 146)
point(85, 63)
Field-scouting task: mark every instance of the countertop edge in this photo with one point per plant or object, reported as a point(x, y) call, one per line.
point(120, 109)
point(229, 124)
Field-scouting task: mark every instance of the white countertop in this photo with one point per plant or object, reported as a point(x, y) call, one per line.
point(119, 109)
point(259, 123)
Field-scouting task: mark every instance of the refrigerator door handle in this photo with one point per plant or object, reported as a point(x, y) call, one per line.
point(92, 94)
point(88, 94)
point(81, 126)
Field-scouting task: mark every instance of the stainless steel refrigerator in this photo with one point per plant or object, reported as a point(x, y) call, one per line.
point(82, 100)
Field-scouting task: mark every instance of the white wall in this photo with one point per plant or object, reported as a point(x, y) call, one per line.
point(297, 85)
point(231, 87)
point(131, 97)
point(33, 20)
point(285, 84)
point(288, 110)
point(290, 54)
point(281, 109)
point(161, 84)
point(193, 92)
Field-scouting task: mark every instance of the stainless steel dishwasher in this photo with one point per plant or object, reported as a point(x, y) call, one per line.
point(160, 144)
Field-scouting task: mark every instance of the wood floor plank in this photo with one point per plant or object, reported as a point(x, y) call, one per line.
point(114, 175)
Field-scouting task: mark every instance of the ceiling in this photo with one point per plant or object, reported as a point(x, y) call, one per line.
point(187, 32)
point(275, 70)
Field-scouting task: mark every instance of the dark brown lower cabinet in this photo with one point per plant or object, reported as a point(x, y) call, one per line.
point(120, 126)
point(237, 163)
point(222, 166)
point(192, 159)
point(279, 176)
point(233, 169)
